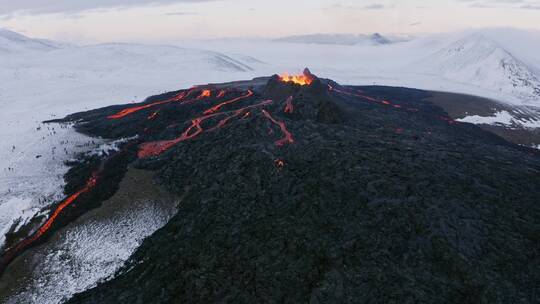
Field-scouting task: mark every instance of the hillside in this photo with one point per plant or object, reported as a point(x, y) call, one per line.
point(297, 193)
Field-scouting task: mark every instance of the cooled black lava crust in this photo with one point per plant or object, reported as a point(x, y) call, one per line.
point(376, 197)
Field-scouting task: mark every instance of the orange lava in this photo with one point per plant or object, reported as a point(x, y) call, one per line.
point(178, 97)
point(221, 93)
point(14, 251)
point(156, 148)
point(289, 107)
point(298, 79)
point(205, 93)
point(287, 139)
point(219, 106)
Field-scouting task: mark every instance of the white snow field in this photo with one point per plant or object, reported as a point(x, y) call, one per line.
point(42, 80)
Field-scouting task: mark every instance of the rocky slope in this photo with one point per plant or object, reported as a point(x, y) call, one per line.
point(308, 191)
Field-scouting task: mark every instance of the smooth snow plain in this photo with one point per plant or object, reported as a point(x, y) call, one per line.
point(43, 80)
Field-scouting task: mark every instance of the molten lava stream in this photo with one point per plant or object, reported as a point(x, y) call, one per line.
point(178, 97)
point(220, 105)
point(11, 253)
point(221, 93)
point(205, 94)
point(156, 148)
point(289, 107)
point(287, 139)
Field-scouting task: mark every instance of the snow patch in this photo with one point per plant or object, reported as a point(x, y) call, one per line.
point(502, 118)
point(89, 253)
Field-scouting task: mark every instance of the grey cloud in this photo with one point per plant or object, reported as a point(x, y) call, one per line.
point(530, 6)
point(521, 4)
point(374, 6)
point(180, 14)
point(70, 6)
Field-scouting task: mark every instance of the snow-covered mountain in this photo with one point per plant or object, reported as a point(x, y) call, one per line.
point(477, 60)
point(342, 39)
point(12, 42)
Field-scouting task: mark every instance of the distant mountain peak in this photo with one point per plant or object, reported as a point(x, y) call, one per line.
point(341, 39)
point(14, 42)
point(480, 61)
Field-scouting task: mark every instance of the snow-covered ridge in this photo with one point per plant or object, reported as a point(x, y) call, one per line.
point(482, 62)
point(344, 39)
point(12, 42)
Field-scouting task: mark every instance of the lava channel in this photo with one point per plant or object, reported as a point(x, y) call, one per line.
point(13, 252)
point(287, 139)
point(220, 105)
point(156, 148)
point(289, 107)
point(383, 102)
point(177, 98)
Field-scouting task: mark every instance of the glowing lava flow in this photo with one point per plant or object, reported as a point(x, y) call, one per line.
point(156, 148)
point(204, 94)
point(179, 97)
point(287, 139)
point(383, 102)
point(219, 106)
point(14, 251)
point(221, 93)
point(449, 120)
point(289, 107)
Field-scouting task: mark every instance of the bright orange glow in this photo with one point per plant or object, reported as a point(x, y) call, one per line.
point(205, 93)
point(298, 79)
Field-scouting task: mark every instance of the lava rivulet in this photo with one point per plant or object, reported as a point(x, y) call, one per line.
point(204, 94)
point(287, 139)
point(220, 105)
point(177, 98)
point(156, 148)
point(289, 107)
point(383, 102)
point(221, 93)
point(10, 254)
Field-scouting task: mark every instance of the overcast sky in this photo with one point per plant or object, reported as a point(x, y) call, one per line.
point(90, 21)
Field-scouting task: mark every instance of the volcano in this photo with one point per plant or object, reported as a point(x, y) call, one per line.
point(298, 189)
